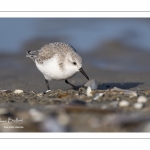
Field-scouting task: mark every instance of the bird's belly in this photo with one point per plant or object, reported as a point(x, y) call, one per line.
point(51, 70)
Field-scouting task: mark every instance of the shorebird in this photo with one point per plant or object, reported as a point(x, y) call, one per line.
point(57, 61)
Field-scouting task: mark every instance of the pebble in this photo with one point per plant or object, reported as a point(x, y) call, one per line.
point(18, 91)
point(97, 96)
point(138, 105)
point(92, 83)
point(123, 103)
point(142, 99)
point(89, 91)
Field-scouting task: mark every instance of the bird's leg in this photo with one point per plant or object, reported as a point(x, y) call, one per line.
point(47, 84)
point(70, 84)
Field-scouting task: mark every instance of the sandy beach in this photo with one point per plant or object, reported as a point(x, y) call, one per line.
point(67, 110)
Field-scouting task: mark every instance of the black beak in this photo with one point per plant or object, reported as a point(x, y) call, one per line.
point(82, 71)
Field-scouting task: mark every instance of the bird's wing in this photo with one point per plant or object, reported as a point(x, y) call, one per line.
point(46, 52)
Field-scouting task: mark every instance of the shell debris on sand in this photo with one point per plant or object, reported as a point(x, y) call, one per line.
point(18, 91)
point(141, 99)
point(92, 83)
point(89, 92)
point(124, 103)
point(126, 92)
point(6, 91)
point(98, 95)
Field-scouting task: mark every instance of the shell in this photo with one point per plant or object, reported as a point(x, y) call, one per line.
point(89, 91)
point(98, 95)
point(18, 91)
point(138, 105)
point(124, 103)
point(142, 99)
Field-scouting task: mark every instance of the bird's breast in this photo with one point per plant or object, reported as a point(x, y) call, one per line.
point(51, 70)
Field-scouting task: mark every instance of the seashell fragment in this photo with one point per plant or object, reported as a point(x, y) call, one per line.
point(98, 95)
point(138, 105)
point(5, 91)
point(89, 91)
point(124, 103)
point(18, 91)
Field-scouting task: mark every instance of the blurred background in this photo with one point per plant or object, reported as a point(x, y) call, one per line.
point(112, 46)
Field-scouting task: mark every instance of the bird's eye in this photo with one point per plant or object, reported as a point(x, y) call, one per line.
point(74, 63)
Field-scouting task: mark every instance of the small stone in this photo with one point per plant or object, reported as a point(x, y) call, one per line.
point(18, 91)
point(92, 83)
point(124, 103)
point(98, 95)
point(89, 91)
point(142, 99)
point(138, 105)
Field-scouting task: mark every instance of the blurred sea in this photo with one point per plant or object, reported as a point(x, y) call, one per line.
point(108, 43)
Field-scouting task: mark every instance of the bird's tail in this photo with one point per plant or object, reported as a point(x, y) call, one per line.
point(31, 54)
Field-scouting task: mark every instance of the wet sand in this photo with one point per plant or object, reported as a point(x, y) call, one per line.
point(65, 109)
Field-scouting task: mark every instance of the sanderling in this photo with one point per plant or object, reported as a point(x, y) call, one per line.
point(57, 61)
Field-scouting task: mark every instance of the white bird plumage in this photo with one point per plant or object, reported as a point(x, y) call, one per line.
point(57, 61)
